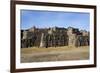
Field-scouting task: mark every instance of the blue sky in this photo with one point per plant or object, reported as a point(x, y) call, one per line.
point(46, 19)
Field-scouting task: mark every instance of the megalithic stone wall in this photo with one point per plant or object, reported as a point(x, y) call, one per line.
point(72, 40)
point(53, 37)
point(42, 42)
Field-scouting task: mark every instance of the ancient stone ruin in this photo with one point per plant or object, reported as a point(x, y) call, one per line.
point(54, 37)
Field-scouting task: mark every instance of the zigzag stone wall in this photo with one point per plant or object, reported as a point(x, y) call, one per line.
point(53, 37)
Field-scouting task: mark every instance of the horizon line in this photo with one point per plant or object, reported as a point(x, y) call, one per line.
point(53, 27)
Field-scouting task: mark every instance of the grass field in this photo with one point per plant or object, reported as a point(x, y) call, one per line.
point(35, 54)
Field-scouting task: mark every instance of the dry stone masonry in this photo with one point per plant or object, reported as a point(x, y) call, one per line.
point(53, 37)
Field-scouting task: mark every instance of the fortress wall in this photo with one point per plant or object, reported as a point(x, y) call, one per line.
point(54, 37)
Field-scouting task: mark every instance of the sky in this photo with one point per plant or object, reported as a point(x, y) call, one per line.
point(46, 19)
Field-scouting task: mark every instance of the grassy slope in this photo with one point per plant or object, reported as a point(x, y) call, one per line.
point(35, 54)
